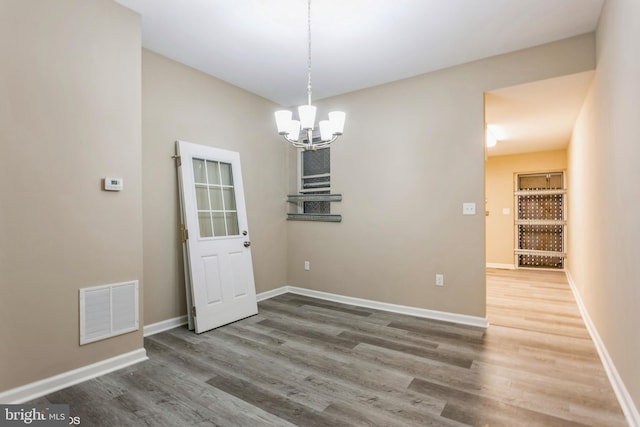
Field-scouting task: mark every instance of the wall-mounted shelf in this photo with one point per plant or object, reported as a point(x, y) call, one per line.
point(297, 198)
point(540, 253)
point(544, 192)
point(315, 217)
point(541, 222)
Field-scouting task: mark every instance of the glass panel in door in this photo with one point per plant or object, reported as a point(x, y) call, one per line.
point(215, 198)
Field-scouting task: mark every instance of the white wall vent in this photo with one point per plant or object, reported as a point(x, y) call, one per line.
point(107, 311)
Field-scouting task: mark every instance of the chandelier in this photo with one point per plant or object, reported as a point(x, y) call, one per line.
point(292, 129)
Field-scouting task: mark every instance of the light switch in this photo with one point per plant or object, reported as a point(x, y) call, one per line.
point(506, 211)
point(468, 208)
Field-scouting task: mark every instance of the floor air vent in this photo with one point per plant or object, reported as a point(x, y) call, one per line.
point(107, 311)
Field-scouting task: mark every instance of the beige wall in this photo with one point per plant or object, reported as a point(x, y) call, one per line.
point(605, 196)
point(499, 187)
point(182, 103)
point(69, 116)
point(411, 154)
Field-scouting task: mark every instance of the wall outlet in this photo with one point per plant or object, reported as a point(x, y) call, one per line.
point(307, 265)
point(439, 279)
point(468, 208)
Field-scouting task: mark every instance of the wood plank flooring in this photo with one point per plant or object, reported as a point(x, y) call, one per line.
point(307, 362)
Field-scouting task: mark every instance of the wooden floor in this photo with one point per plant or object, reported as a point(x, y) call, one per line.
point(307, 362)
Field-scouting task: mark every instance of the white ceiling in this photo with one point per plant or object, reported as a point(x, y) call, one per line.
point(261, 46)
point(536, 116)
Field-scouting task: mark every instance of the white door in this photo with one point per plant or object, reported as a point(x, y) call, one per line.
point(218, 257)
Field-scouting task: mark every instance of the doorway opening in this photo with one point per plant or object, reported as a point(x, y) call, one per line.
point(526, 220)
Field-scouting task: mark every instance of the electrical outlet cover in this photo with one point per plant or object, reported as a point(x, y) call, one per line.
point(468, 208)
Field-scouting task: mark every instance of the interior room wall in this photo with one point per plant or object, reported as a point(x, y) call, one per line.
point(69, 116)
point(605, 197)
point(180, 103)
point(412, 153)
point(499, 180)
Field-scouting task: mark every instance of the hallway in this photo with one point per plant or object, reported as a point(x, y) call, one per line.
point(534, 314)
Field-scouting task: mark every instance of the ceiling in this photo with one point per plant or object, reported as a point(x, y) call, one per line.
point(537, 116)
point(261, 46)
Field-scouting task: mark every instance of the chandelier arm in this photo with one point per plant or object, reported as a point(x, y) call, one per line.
point(324, 144)
point(310, 146)
point(296, 144)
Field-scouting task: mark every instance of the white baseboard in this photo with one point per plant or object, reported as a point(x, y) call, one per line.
point(394, 308)
point(625, 400)
point(164, 325)
point(272, 293)
point(40, 388)
point(501, 266)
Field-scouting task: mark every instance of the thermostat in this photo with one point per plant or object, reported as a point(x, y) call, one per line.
point(113, 184)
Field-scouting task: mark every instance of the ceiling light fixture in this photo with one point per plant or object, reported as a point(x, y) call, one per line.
point(491, 138)
point(291, 129)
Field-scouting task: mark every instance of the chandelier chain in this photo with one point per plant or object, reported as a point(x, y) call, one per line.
point(309, 51)
point(291, 130)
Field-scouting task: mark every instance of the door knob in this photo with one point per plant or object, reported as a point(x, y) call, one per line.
point(247, 244)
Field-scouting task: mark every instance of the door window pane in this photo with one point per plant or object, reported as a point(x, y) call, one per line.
point(229, 199)
point(213, 172)
point(225, 173)
point(232, 223)
point(219, 227)
point(215, 198)
point(199, 174)
point(204, 222)
point(202, 199)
